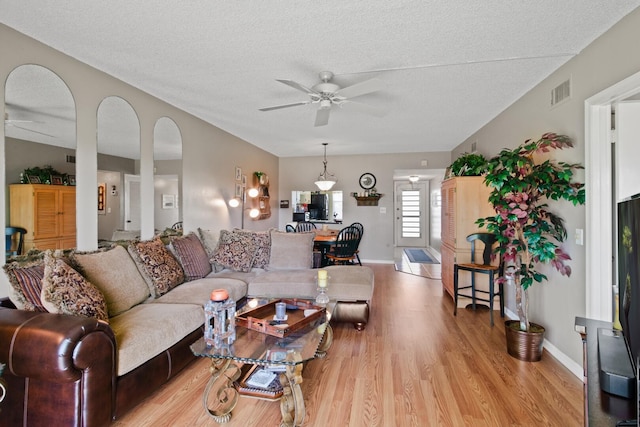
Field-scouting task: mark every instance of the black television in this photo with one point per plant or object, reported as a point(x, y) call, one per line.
point(629, 277)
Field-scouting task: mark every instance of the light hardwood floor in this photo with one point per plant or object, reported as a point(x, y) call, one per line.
point(414, 365)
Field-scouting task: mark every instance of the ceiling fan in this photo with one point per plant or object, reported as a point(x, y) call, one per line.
point(327, 94)
point(12, 123)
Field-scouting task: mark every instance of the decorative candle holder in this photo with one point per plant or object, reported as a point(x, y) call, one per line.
point(322, 297)
point(323, 280)
point(220, 324)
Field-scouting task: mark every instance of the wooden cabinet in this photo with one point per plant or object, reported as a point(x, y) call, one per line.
point(47, 212)
point(464, 200)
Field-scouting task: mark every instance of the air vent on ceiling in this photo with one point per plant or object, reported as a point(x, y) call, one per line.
point(71, 159)
point(561, 92)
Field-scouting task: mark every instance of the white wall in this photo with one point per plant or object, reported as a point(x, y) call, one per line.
point(608, 60)
point(299, 173)
point(209, 154)
point(627, 149)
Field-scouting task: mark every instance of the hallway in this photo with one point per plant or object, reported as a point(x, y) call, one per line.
point(402, 264)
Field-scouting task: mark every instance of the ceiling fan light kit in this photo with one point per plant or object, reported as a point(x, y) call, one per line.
point(325, 180)
point(326, 94)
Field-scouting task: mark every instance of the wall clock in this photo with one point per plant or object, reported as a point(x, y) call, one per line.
point(367, 181)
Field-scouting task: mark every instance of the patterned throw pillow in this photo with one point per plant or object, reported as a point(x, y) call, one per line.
point(235, 251)
point(65, 291)
point(160, 269)
point(26, 284)
point(209, 239)
point(192, 256)
point(262, 242)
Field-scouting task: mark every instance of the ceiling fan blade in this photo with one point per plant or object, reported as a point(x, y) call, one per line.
point(9, 121)
point(277, 107)
point(298, 86)
point(322, 117)
point(364, 108)
point(362, 88)
point(30, 130)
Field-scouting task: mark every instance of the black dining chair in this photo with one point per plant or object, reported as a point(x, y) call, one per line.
point(305, 226)
point(344, 249)
point(360, 228)
point(289, 228)
point(489, 240)
point(14, 240)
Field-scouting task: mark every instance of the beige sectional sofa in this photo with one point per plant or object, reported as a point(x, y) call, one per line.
point(111, 326)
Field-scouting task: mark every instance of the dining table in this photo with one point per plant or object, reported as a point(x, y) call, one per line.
point(323, 241)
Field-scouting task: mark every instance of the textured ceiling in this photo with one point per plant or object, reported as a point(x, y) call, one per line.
point(448, 67)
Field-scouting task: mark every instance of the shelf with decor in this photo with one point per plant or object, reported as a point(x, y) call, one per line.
point(370, 200)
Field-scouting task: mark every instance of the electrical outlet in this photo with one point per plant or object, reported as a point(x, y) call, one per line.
point(383, 209)
point(579, 236)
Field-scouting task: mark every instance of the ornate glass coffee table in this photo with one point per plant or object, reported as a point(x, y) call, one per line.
point(252, 347)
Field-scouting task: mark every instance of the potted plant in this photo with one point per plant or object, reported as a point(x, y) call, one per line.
point(469, 164)
point(529, 234)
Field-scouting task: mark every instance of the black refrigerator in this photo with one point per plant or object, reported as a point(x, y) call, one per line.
point(319, 207)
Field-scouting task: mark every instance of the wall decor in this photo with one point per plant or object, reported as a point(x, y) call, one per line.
point(56, 180)
point(168, 201)
point(34, 179)
point(44, 174)
point(238, 190)
point(102, 200)
point(238, 173)
point(71, 179)
point(284, 204)
point(367, 181)
point(261, 181)
point(367, 200)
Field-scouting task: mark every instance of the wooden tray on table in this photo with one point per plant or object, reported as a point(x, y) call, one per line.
point(261, 318)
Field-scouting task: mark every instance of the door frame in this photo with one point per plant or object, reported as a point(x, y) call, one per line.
point(128, 179)
point(599, 203)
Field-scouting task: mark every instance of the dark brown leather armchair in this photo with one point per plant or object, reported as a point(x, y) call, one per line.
point(60, 370)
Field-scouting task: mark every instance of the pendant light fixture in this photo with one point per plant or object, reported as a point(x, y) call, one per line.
point(325, 180)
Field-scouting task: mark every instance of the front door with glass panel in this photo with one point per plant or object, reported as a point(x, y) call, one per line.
point(412, 214)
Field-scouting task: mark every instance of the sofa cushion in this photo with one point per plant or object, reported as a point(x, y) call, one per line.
point(350, 282)
point(291, 251)
point(235, 251)
point(262, 242)
point(26, 284)
point(346, 283)
point(159, 268)
point(65, 291)
point(192, 256)
point(230, 274)
point(115, 274)
point(198, 291)
point(284, 284)
point(147, 330)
